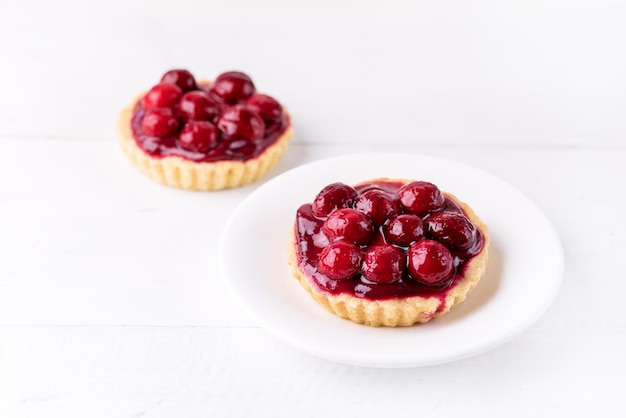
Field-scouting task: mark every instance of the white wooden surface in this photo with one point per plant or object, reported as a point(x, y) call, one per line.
point(110, 302)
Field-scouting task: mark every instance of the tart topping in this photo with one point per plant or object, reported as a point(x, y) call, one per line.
point(333, 196)
point(383, 264)
point(420, 198)
point(197, 105)
point(162, 95)
point(430, 262)
point(198, 136)
point(408, 238)
point(159, 122)
point(453, 229)
point(348, 224)
point(340, 260)
point(182, 78)
point(267, 107)
point(241, 122)
point(378, 205)
point(247, 123)
point(404, 230)
point(233, 86)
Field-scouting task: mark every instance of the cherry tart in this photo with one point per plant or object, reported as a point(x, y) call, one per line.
point(202, 135)
point(388, 252)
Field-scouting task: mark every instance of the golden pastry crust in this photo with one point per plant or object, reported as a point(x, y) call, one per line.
point(201, 176)
point(399, 312)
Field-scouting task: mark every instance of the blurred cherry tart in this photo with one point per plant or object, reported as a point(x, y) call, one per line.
point(200, 135)
point(388, 252)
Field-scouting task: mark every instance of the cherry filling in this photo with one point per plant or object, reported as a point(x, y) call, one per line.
point(384, 240)
point(204, 122)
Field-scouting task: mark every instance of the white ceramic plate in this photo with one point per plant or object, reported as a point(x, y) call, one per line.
point(523, 274)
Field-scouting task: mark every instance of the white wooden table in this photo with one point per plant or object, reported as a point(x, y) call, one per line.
point(110, 300)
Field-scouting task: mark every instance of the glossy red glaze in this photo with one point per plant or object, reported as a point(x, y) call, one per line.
point(403, 230)
point(199, 136)
point(267, 107)
point(348, 224)
point(161, 139)
point(197, 105)
point(430, 262)
point(331, 197)
point(340, 260)
point(182, 78)
point(378, 205)
point(420, 198)
point(241, 122)
point(162, 95)
point(160, 122)
point(383, 264)
point(311, 241)
point(233, 87)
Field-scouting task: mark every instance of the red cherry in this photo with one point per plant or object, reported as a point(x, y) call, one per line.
point(452, 229)
point(162, 95)
point(198, 136)
point(383, 264)
point(197, 105)
point(159, 122)
point(378, 205)
point(182, 78)
point(340, 260)
point(333, 196)
point(240, 121)
point(430, 262)
point(269, 109)
point(404, 230)
point(233, 87)
point(348, 224)
point(420, 198)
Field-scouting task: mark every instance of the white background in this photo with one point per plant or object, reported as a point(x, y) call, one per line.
point(110, 301)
